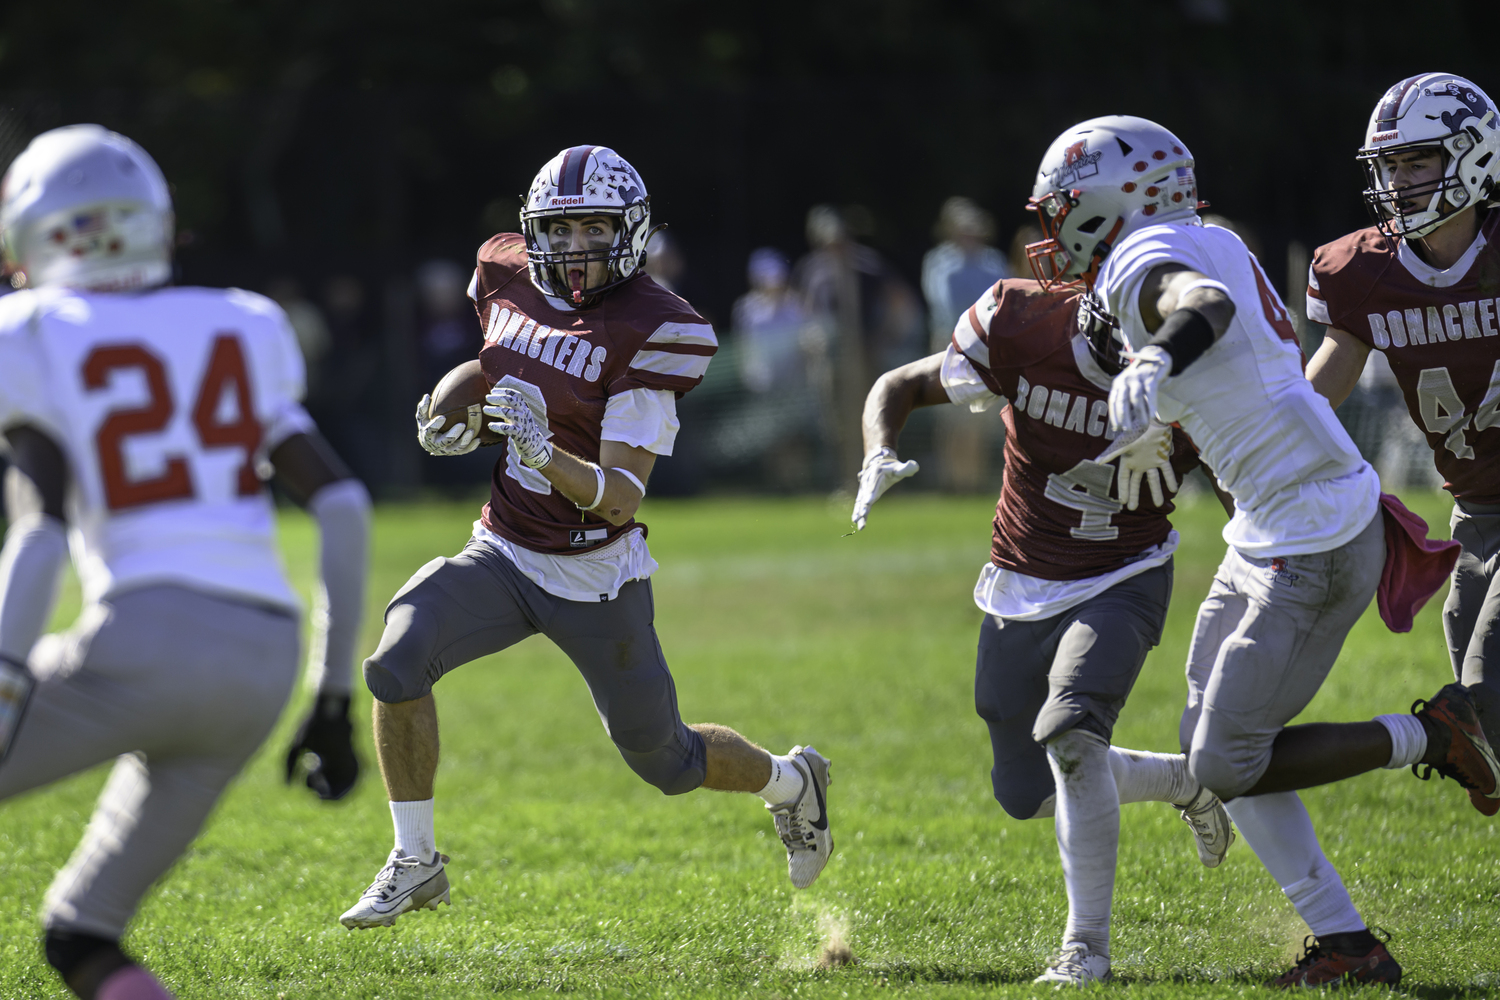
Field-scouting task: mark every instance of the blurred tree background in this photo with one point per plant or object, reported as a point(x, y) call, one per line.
point(324, 138)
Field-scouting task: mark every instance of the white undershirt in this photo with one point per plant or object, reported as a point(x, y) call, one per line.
point(641, 418)
point(1005, 593)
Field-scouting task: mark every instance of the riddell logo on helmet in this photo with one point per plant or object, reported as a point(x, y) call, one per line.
point(561, 202)
point(1385, 136)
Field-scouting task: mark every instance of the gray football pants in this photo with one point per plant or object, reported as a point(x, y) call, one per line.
point(1471, 615)
point(1266, 637)
point(181, 687)
point(477, 603)
point(1035, 680)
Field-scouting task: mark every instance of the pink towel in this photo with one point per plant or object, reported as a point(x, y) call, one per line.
point(1416, 566)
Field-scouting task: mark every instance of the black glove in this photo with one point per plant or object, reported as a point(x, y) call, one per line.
point(326, 733)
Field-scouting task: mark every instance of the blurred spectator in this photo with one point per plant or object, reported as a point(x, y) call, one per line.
point(768, 322)
point(961, 267)
point(663, 260)
point(955, 273)
point(869, 320)
point(1019, 265)
point(776, 420)
point(307, 323)
point(449, 332)
point(344, 400)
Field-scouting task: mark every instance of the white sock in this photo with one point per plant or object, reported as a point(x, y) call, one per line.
point(786, 782)
point(414, 837)
point(1141, 776)
point(1088, 834)
point(1408, 739)
point(1280, 832)
point(1323, 902)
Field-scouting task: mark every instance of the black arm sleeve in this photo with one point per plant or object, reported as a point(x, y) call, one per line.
point(1185, 336)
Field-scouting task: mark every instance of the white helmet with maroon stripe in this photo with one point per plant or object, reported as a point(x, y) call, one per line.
point(85, 207)
point(1100, 180)
point(1439, 111)
point(584, 181)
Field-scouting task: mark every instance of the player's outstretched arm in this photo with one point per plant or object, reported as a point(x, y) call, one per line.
point(891, 400)
point(316, 478)
point(1188, 312)
point(36, 546)
point(1335, 369)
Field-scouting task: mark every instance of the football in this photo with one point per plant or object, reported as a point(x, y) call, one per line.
point(459, 398)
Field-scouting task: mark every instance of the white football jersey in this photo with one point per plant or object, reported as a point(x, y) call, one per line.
point(166, 404)
point(1299, 483)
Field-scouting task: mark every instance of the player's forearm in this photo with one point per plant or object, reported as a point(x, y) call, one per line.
point(1335, 369)
point(895, 395)
point(31, 565)
point(342, 510)
point(578, 480)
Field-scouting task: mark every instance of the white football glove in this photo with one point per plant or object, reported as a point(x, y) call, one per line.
point(1148, 456)
point(456, 440)
point(881, 471)
point(513, 418)
point(1132, 395)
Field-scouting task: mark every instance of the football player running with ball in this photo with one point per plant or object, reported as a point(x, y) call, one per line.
point(1420, 287)
point(137, 417)
point(1212, 351)
point(586, 356)
point(1076, 589)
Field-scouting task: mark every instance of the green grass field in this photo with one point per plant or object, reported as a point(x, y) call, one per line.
point(571, 875)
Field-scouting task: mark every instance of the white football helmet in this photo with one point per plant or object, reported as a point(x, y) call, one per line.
point(1433, 109)
point(581, 181)
point(1102, 179)
point(87, 208)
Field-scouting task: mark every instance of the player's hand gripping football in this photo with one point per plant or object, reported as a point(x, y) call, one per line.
point(456, 440)
point(1132, 396)
point(1148, 456)
point(881, 471)
point(326, 732)
point(513, 418)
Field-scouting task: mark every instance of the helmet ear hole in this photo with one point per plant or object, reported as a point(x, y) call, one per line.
point(1091, 226)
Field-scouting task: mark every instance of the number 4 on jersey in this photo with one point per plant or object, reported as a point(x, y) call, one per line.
point(1085, 488)
point(226, 374)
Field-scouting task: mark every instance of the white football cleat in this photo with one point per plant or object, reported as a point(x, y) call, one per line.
point(803, 823)
point(1076, 966)
point(403, 884)
point(1211, 827)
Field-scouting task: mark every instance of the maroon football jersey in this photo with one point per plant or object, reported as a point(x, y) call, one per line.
point(1057, 517)
point(568, 363)
point(1439, 332)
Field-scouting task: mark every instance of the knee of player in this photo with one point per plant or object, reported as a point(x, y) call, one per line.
point(386, 685)
point(665, 768)
point(1215, 771)
point(1020, 800)
point(398, 669)
point(643, 739)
